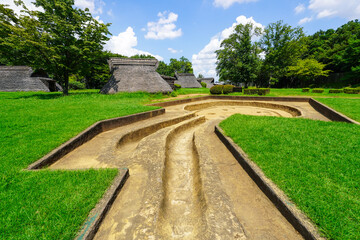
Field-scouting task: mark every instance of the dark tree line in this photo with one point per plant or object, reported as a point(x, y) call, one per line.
point(290, 58)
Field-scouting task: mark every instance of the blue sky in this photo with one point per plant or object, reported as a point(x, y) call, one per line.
point(195, 28)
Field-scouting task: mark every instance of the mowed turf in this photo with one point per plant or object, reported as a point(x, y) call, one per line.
point(349, 107)
point(315, 163)
point(51, 204)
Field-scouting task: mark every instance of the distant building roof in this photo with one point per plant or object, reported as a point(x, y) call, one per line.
point(187, 80)
point(209, 81)
point(20, 78)
point(132, 75)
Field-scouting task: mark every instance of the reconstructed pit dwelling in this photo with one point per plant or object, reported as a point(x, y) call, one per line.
point(184, 183)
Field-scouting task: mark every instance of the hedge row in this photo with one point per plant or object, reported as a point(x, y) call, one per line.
point(318, 90)
point(219, 89)
point(352, 90)
point(259, 91)
point(345, 90)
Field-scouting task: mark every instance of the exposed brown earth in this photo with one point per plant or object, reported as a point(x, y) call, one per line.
point(184, 183)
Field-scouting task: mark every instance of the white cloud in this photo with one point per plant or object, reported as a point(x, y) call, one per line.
point(17, 9)
point(205, 61)
point(305, 20)
point(174, 50)
point(124, 43)
point(110, 13)
point(227, 3)
point(94, 6)
point(98, 19)
point(300, 8)
point(349, 9)
point(164, 28)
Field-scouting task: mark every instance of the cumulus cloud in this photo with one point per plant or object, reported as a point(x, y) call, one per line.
point(300, 8)
point(205, 61)
point(305, 20)
point(349, 9)
point(164, 28)
point(124, 43)
point(227, 3)
point(174, 50)
point(94, 6)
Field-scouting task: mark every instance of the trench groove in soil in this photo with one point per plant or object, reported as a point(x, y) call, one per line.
point(181, 213)
point(180, 190)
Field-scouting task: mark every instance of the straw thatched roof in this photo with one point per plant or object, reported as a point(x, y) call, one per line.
point(169, 80)
point(23, 78)
point(132, 75)
point(209, 81)
point(187, 80)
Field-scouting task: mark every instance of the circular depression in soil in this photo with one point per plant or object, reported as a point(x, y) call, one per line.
point(224, 109)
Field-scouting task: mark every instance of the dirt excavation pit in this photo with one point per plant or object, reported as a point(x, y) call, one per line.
point(184, 183)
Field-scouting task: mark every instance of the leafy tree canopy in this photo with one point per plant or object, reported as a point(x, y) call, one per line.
point(238, 59)
point(307, 70)
point(61, 39)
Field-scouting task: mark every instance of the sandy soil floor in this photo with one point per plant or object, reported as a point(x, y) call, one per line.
point(184, 183)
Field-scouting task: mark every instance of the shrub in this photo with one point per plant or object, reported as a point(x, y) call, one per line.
point(237, 89)
point(217, 89)
point(336, 91)
point(263, 91)
point(250, 91)
point(305, 89)
point(352, 90)
point(203, 84)
point(318, 90)
point(228, 89)
point(177, 86)
point(75, 85)
point(173, 94)
point(259, 91)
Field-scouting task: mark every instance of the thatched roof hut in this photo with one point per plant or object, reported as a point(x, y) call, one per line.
point(209, 81)
point(132, 75)
point(187, 80)
point(23, 78)
point(170, 80)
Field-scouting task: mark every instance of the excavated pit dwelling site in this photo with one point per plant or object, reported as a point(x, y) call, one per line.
point(184, 183)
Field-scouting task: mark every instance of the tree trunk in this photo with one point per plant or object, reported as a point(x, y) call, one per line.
point(66, 83)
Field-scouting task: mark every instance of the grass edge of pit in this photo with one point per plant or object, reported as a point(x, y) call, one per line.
point(97, 214)
point(90, 133)
point(288, 209)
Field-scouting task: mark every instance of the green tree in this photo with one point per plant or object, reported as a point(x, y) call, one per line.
point(200, 76)
point(283, 46)
point(164, 69)
point(183, 65)
point(238, 59)
point(61, 39)
point(307, 71)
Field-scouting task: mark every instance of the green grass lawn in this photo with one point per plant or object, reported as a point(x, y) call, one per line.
point(51, 204)
point(278, 92)
point(184, 91)
point(315, 163)
point(349, 107)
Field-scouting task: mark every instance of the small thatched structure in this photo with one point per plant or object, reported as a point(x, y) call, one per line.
point(169, 80)
point(187, 80)
point(132, 75)
point(209, 81)
point(23, 78)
